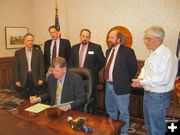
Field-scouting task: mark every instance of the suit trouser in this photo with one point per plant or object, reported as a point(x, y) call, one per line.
point(29, 89)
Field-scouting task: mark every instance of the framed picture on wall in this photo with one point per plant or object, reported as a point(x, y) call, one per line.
point(14, 36)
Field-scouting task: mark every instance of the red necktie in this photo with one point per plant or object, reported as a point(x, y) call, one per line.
point(106, 74)
point(54, 51)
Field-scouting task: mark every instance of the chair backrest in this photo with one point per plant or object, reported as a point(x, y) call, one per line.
point(85, 73)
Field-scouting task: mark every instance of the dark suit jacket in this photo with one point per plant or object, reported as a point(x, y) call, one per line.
point(20, 66)
point(92, 61)
point(124, 70)
point(64, 51)
point(73, 90)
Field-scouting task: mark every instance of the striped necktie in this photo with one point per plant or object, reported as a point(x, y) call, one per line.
point(107, 68)
point(54, 51)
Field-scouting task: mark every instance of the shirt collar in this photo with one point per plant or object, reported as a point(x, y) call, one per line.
point(116, 47)
point(159, 49)
point(84, 45)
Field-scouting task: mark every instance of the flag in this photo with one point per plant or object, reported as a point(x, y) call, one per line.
point(177, 83)
point(57, 17)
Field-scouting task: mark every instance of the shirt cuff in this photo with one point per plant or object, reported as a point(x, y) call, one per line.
point(143, 82)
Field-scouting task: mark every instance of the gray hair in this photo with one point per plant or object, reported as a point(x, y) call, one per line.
point(28, 34)
point(157, 31)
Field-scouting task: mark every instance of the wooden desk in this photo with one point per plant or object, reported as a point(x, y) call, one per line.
point(52, 122)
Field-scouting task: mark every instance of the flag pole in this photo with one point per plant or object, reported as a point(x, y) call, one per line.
point(57, 17)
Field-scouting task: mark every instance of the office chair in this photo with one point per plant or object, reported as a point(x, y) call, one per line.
point(87, 80)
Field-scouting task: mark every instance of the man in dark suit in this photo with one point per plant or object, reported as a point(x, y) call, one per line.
point(63, 86)
point(121, 67)
point(55, 47)
point(28, 68)
point(89, 55)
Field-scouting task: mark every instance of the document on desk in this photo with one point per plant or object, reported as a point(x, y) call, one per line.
point(37, 108)
point(61, 105)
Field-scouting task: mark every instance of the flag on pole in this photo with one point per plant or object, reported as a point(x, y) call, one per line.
point(57, 17)
point(178, 73)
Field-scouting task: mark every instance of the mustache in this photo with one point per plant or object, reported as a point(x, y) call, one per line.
point(111, 44)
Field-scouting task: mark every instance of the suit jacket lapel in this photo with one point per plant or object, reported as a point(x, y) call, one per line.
point(66, 84)
point(33, 56)
point(118, 55)
point(54, 87)
point(61, 47)
point(77, 54)
point(24, 59)
point(49, 49)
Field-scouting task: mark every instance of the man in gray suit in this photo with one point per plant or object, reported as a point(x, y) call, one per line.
point(28, 68)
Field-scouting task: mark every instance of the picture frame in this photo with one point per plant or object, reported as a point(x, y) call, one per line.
point(14, 36)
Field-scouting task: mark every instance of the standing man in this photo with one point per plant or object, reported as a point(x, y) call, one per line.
point(157, 78)
point(28, 68)
point(89, 55)
point(63, 86)
point(55, 47)
point(121, 67)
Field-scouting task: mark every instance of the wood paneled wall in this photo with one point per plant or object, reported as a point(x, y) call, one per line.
point(136, 98)
point(5, 71)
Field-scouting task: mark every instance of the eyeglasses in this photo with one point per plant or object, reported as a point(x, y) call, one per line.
point(150, 38)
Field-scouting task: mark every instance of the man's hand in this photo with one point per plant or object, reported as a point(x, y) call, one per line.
point(65, 108)
point(34, 99)
point(136, 83)
point(18, 84)
point(40, 82)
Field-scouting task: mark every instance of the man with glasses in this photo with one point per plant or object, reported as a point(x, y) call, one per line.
point(157, 78)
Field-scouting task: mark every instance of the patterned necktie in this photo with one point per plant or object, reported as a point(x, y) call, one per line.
point(106, 75)
point(81, 55)
point(54, 51)
point(58, 91)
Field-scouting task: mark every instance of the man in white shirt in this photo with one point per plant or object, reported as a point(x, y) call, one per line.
point(157, 78)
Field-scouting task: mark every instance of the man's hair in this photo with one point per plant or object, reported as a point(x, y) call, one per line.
point(52, 27)
point(120, 36)
point(157, 31)
point(28, 34)
point(60, 62)
point(85, 30)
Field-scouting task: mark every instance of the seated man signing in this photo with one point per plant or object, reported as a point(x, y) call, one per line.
point(63, 86)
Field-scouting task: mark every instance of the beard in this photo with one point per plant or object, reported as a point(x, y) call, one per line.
point(84, 42)
point(111, 44)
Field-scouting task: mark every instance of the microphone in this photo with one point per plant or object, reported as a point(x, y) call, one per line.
point(85, 129)
point(70, 121)
point(79, 125)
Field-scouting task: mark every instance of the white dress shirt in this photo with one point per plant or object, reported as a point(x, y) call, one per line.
point(159, 71)
point(29, 57)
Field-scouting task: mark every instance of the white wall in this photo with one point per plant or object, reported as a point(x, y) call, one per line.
point(14, 13)
point(136, 15)
point(97, 15)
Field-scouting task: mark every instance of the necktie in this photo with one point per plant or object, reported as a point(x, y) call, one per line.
point(58, 91)
point(106, 75)
point(54, 51)
point(81, 55)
